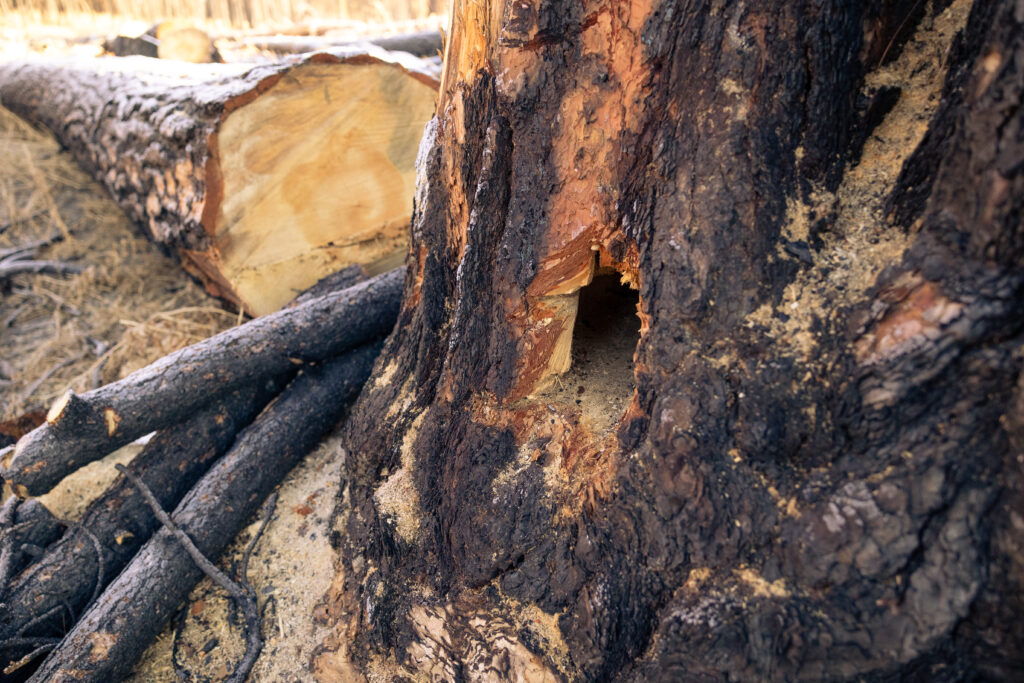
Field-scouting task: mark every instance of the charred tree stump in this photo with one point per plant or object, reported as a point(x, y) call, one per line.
point(263, 179)
point(82, 428)
point(108, 640)
point(70, 573)
point(814, 471)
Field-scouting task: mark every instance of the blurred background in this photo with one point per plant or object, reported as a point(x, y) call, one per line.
point(47, 25)
point(236, 13)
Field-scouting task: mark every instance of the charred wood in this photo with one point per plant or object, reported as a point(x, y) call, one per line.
point(65, 577)
point(82, 428)
point(110, 637)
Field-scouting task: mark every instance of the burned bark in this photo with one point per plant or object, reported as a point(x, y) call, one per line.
point(110, 637)
point(25, 529)
point(68, 574)
point(326, 181)
point(82, 428)
point(816, 471)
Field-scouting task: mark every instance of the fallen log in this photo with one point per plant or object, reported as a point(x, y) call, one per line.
point(81, 428)
point(327, 181)
point(420, 44)
point(66, 576)
point(110, 637)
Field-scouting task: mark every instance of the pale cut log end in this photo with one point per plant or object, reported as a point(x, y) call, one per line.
point(314, 174)
point(71, 412)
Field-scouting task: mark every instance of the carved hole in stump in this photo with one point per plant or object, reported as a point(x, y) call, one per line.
point(604, 339)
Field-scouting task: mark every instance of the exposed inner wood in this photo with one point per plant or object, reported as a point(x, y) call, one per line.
point(334, 161)
point(603, 338)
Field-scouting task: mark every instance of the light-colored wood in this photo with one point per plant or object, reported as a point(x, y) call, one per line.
point(263, 179)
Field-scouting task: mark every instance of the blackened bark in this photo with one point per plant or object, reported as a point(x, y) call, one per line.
point(110, 637)
point(816, 475)
point(66, 576)
point(83, 428)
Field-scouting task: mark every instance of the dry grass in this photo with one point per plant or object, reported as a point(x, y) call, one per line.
point(130, 305)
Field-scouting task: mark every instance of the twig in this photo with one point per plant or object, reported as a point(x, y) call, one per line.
point(38, 620)
point(243, 595)
point(20, 642)
point(242, 572)
point(8, 269)
point(100, 569)
point(10, 317)
point(19, 252)
point(48, 644)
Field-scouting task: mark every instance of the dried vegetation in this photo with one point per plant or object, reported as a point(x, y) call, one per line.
point(129, 305)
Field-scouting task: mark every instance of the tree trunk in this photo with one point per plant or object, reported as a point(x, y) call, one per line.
point(800, 458)
point(264, 179)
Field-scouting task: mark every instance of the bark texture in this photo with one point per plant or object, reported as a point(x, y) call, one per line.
point(258, 217)
point(818, 473)
point(107, 641)
point(82, 428)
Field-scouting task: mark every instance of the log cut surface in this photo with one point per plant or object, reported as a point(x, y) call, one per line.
point(263, 179)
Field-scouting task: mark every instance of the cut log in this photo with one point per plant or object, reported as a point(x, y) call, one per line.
point(83, 428)
point(420, 44)
point(263, 179)
point(66, 576)
point(167, 40)
point(111, 636)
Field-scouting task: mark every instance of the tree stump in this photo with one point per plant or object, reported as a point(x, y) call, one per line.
point(782, 440)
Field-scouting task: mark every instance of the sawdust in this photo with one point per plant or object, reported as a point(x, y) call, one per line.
point(397, 498)
point(861, 241)
point(291, 569)
point(600, 378)
point(68, 499)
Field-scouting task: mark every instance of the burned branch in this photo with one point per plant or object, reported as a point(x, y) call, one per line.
point(110, 637)
point(169, 465)
point(82, 428)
